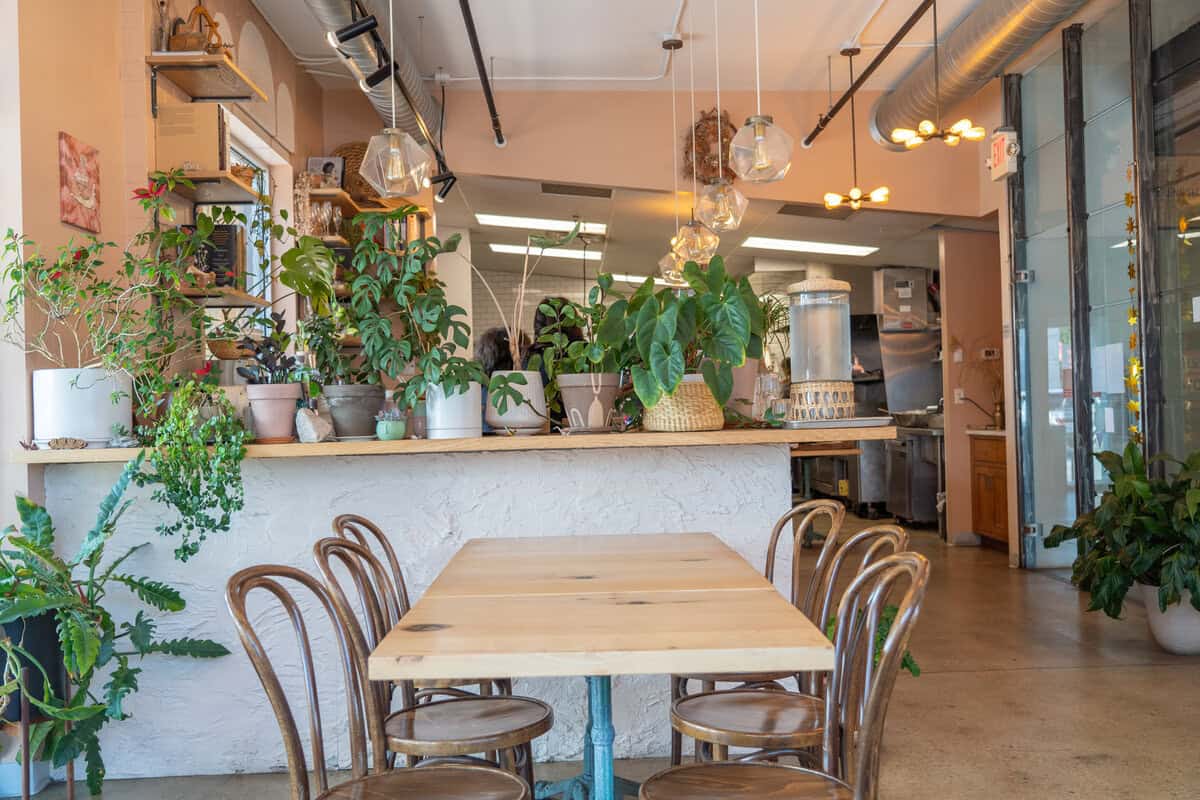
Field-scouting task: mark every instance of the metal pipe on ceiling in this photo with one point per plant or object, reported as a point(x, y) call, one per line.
point(473, 36)
point(979, 49)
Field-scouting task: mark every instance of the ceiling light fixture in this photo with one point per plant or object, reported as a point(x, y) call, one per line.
point(356, 28)
point(720, 205)
point(639, 279)
point(447, 184)
point(670, 266)
point(932, 129)
point(554, 252)
point(760, 152)
point(375, 78)
point(540, 224)
point(801, 246)
point(694, 241)
point(394, 164)
point(855, 197)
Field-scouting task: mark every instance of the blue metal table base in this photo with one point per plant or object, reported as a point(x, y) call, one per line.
point(597, 781)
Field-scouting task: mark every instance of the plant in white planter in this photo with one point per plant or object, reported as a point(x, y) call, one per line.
point(273, 380)
point(1146, 531)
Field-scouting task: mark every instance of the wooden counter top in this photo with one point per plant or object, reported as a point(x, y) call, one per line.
point(838, 436)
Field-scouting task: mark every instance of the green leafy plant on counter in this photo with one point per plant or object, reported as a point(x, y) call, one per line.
point(195, 464)
point(323, 337)
point(94, 646)
point(886, 618)
point(272, 361)
point(710, 330)
point(1145, 530)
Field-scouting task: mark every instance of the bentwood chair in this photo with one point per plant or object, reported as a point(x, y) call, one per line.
point(803, 519)
point(370, 776)
point(765, 716)
point(432, 724)
point(856, 701)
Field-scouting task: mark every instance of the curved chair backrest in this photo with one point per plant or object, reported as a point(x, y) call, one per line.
point(376, 598)
point(803, 517)
point(861, 683)
point(362, 530)
point(866, 547)
point(365, 721)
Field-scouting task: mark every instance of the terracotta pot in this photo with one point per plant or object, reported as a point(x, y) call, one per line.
point(353, 407)
point(1177, 630)
point(589, 399)
point(273, 408)
point(524, 418)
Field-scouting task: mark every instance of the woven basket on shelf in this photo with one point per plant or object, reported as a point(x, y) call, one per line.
point(691, 408)
point(815, 401)
point(228, 349)
point(356, 185)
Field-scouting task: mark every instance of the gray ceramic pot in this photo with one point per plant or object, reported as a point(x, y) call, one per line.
point(588, 399)
point(353, 408)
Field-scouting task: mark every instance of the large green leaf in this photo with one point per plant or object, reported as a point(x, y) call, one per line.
point(111, 509)
point(719, 378)
point(647, 322)
point(70, 745)
point(122, 683)
point(195, 648)
point(731, 316)
point(724, 345)
point(666, 362)
point(140, 632)
point(715, 276)
point(29, 606)
point(79, 641)
point(95, 771)
point(664, 328)
point(612, 329)
point(154, 593)
point(646, 386)
point(35, 522)
point(308, 268)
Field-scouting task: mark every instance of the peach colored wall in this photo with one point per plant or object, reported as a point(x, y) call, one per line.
point(348, 117)
point(971, 320)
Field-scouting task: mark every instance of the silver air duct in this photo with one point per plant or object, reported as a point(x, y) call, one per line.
point(335, 14)
point(975, 52)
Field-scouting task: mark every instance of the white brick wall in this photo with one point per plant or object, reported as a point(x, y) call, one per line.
point(504, 284)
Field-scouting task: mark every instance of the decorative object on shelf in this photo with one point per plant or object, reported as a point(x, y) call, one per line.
point(330, 171)
point(227, 349)
point(822, 387)
point(67, 443)
point(1146, 531)
point(760, 152)
point(98, 654)
point(394, 164)
point(312, 426)
point(220, 261)
point(702, 150)
point(720, 205)
point(932, 129)
point(244, 173)
point(203, 34)
point(390, 425)
point(78, 183)
point(274, 379)
point(353, 182)
point(855, 197)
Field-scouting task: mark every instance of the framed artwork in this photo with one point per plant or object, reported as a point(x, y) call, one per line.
point(329, 169)
point(78, 183)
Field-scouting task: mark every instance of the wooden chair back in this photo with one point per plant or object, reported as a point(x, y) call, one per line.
point(860, 550)
point(365, 722)
point(362, 530)
point(860, 687)
point(803, 517)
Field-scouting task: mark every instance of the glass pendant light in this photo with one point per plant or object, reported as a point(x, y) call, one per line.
point(670, 266)
point(696, 242)
point(855, 198)
point(720, 205)
point(760, 152)
point(394, 164)
point(932, 129)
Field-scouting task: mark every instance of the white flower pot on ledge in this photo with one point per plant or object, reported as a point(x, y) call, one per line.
point(527, 417)
point(79, 404)
point(1177, 630)
point(456, 416)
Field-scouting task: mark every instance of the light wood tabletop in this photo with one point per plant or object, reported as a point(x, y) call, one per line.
point(599, 605)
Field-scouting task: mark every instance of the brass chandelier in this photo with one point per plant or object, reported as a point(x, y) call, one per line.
point(856, 197)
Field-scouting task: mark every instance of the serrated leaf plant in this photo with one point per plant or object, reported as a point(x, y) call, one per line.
point(102, 657)
point(1146, 530)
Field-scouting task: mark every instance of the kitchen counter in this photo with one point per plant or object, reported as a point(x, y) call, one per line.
point(991, 433)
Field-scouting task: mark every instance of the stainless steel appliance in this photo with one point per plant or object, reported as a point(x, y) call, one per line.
point(914, 465)
point(902, 298)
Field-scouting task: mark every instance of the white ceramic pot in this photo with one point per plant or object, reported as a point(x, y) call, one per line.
point(1177, 630)
point(78, 403)
point(741, 399)
point(522, 418)
point(456, 416)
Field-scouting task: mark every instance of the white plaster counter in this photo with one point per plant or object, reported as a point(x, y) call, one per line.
point(194, 717)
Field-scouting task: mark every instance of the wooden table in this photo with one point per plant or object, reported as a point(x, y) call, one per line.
point(598, 606)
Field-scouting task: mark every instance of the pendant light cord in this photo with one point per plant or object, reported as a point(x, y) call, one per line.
point(392, 58)
point(853, 129)
point(757, 78)
point(720, 120)
point(692, 122)
point(674, 149)
point(937, 72)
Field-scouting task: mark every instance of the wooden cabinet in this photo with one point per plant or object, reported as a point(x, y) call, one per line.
point(989, 488)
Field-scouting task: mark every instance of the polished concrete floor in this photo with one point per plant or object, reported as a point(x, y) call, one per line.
point(1022, 695)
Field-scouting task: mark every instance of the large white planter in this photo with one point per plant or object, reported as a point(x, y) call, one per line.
point(78, 403)
point(526, 417)
point(456, 416)
point(1177, 630)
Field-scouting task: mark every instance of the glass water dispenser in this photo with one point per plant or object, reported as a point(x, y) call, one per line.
point(822, 388)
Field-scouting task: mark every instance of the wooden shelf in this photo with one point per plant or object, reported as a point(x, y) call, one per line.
point(217, 187)
point(487, 444)
point(335, 241)
point(222, 297)
point(342, 199)
point(206, 77)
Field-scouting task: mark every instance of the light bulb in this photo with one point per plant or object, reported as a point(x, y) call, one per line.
point(762, 159)
point(975, 134)
point(426, 183)
point(902, 135)
point(395, 165)
point(856, 193)
point(761, 152)
point(832, 200)
point(926, 128)
point(961, 127)
point(880, 195)
point(394, 168)
point(951, 140)
point(856, 204)
point(720, 206)
point(914, 143)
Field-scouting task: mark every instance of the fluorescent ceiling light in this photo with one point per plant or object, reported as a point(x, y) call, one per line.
point(553, 252)
point(800, 246)
point(538, 224)
point(638, 279)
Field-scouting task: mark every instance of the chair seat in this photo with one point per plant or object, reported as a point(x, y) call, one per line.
point(738, 677)
point(731, 780)
point(759, 718)
point(433, 783)
point(467, 725)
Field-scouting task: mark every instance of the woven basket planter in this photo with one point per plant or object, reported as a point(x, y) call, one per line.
point(817, 401)
point(228, 349)
point(691, 408)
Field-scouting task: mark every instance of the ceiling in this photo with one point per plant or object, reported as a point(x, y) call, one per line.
point(640, 223)
point(582, 44)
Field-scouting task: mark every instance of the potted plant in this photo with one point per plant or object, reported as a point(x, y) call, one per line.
point(1145, 532)
point(582, 371)
point(350, 387)
point(274, 388)
point(390, 425)
point(102, 658)
point(686, 344)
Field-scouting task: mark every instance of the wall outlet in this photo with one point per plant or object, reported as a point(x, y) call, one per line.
point(959, 396)
point(990, 354)
point(958, 355)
